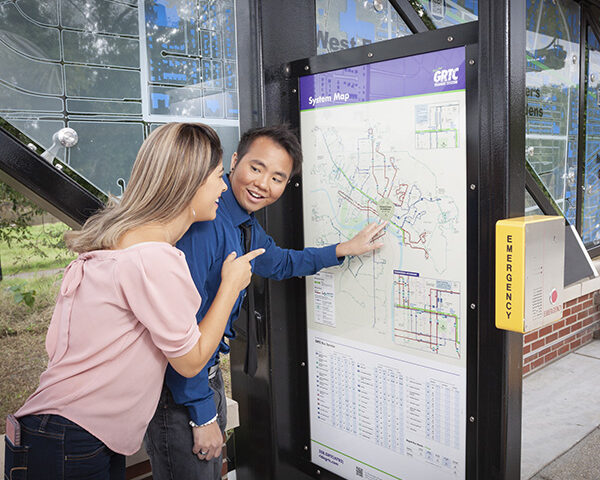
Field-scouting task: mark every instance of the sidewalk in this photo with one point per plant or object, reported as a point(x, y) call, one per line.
point(39, 273)
point(561, 418)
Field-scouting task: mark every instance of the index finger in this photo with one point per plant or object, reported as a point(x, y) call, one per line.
point(253, 254)
point(380, 226)
point(374, 228)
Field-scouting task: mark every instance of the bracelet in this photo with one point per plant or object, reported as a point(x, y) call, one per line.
point(212, 420)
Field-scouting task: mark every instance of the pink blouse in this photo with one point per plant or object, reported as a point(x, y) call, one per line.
point(119, 315)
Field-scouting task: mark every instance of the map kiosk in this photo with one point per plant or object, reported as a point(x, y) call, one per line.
point(386, 142)
point(389, 366)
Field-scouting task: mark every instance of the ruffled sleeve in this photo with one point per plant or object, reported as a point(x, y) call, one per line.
point(156, 283)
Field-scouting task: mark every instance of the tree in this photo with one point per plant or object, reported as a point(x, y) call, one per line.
point(16, 216)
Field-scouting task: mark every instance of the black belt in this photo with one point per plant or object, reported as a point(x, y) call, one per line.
point(212, 371)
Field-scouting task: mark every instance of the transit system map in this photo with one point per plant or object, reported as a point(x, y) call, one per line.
point(386, 331)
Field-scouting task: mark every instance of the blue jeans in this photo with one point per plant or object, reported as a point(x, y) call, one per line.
point(54, 448)
point(169, 439)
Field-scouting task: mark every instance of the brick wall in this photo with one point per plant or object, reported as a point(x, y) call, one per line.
point(581, 318)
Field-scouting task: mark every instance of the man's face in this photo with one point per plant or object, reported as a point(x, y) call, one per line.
point(259, 178)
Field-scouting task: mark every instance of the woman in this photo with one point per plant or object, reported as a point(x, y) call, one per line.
point(126, 306)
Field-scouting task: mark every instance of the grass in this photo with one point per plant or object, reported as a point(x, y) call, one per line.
point(50, 253)
point(22, 341)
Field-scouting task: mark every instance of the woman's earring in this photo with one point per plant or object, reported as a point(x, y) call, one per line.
point(193, 212)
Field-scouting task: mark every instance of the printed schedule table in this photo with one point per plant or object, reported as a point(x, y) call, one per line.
point(380, 401)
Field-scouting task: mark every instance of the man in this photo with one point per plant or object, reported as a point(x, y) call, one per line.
point(185, 437)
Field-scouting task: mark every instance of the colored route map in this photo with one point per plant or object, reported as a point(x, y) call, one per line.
point(386, 142)
point(373, 171)
point(427, 314)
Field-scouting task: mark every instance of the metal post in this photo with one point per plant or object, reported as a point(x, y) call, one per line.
point(502, 147)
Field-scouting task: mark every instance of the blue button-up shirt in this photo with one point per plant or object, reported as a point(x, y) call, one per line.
point(206, 245)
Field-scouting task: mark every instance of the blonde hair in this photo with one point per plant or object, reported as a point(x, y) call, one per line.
point(172, 163)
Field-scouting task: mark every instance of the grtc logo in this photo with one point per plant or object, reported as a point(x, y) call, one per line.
point(446, 76)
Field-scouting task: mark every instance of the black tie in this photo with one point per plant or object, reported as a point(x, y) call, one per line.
point(251, 353)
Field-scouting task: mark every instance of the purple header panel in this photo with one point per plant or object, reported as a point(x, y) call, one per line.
point(433, 72)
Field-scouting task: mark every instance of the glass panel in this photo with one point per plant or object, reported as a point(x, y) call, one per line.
point(99, 16)
point(105, 152)
point(14, 100)
point(82, 47)
point(185, 102)
point(100, 70)
point(591, 198)
point(40, 42)
point(445, 13)
point(531, 207)
point(191, 64)
point(98, 82)
point(552, 98)
point(343, 24)
point(108, 107)
point(25, 74)
point(44, 12)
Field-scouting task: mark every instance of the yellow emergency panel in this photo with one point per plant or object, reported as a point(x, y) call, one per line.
point(529, 272)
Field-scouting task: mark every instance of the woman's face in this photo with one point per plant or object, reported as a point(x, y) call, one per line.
point(206, 199)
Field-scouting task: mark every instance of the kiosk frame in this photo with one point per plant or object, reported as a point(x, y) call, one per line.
point(464, 37)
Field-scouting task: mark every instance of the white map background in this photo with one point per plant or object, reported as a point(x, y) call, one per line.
point(408, 166)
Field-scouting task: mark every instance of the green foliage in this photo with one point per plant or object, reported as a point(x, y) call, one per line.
point(21, 295)
point(16, 215)
point(20, 317)
point(20, 258)
point(24, 247)
point(418, 7)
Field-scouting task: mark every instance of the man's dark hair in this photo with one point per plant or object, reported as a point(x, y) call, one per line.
point(282, 135)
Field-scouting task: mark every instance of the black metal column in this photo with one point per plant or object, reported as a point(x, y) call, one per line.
point(501, 194)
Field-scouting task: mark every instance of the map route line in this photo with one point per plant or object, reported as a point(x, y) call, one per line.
point(410, 244)
point(428, 338)
point(424, 310)
point(45, 61)
point(437, 130)
point(406, 306)
point(456, 339)
point(342, 172)
point(355, 204)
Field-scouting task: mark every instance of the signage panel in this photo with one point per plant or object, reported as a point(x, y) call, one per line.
point(530, 265)
point(387, 331)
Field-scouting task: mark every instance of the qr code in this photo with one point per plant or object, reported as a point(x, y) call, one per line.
point(359, 472)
